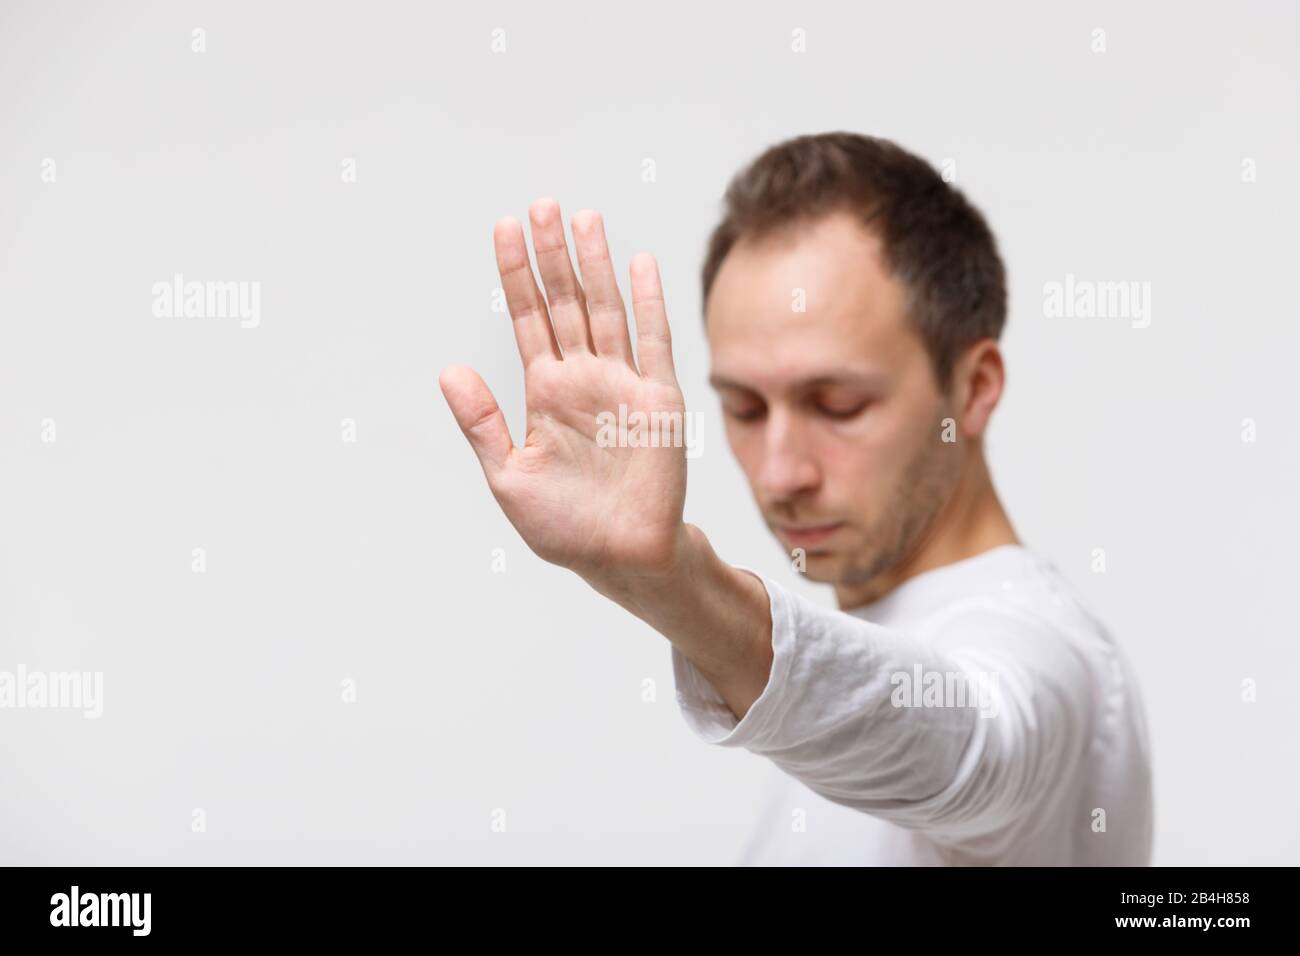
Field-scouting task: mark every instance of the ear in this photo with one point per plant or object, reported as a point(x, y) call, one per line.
point(978, 379)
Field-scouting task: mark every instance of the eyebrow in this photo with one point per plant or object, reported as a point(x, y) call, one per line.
point(868, 379)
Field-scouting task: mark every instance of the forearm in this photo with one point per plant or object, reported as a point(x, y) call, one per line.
point(715, 614)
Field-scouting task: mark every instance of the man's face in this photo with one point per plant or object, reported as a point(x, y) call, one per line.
point(833, 412)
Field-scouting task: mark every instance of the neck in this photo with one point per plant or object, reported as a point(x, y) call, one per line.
point(970, 523)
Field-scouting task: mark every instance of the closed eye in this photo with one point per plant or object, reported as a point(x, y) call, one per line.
point(743, 414)
point(841, 413)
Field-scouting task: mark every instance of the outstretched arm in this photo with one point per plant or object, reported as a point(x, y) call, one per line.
point(612, 514)
point(757, 667)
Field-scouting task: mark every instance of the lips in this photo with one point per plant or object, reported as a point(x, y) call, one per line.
point(809, 536)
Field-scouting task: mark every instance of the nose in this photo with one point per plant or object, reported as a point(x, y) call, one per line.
point(788, 468)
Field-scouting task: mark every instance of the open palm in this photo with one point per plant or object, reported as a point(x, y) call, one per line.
point(577, 498)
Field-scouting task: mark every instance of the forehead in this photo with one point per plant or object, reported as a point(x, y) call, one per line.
point(853, 314)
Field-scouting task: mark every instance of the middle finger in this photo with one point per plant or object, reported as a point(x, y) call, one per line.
point(563, 294)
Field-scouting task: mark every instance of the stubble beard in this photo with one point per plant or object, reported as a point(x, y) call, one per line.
point(927, 484)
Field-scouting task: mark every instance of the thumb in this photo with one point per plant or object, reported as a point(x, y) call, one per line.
point(478, 415)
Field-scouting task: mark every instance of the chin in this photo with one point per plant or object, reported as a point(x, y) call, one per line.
point(824, 568)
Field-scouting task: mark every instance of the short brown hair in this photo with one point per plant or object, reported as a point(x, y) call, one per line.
point(934, 241)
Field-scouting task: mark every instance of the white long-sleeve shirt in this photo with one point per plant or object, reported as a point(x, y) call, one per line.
point(976, 714)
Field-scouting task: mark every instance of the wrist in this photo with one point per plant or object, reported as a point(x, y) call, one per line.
point(644, 588)
point(717, 615)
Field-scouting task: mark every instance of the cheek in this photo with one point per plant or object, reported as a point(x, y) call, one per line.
point(746, 446)
point(851, 470)
point(864, 469)
point(896, 434)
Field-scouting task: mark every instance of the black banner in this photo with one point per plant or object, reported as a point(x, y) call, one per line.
point(205, 905)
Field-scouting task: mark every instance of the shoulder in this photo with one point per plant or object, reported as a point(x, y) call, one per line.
point(1032, 628)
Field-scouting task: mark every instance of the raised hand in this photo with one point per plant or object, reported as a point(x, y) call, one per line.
point(607, 511)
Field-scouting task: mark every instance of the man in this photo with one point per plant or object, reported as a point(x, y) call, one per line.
point(962, 707)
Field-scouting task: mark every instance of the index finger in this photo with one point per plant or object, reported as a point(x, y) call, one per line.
point(532, 323)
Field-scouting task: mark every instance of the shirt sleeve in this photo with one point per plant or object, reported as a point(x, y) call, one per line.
point(840, 714)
